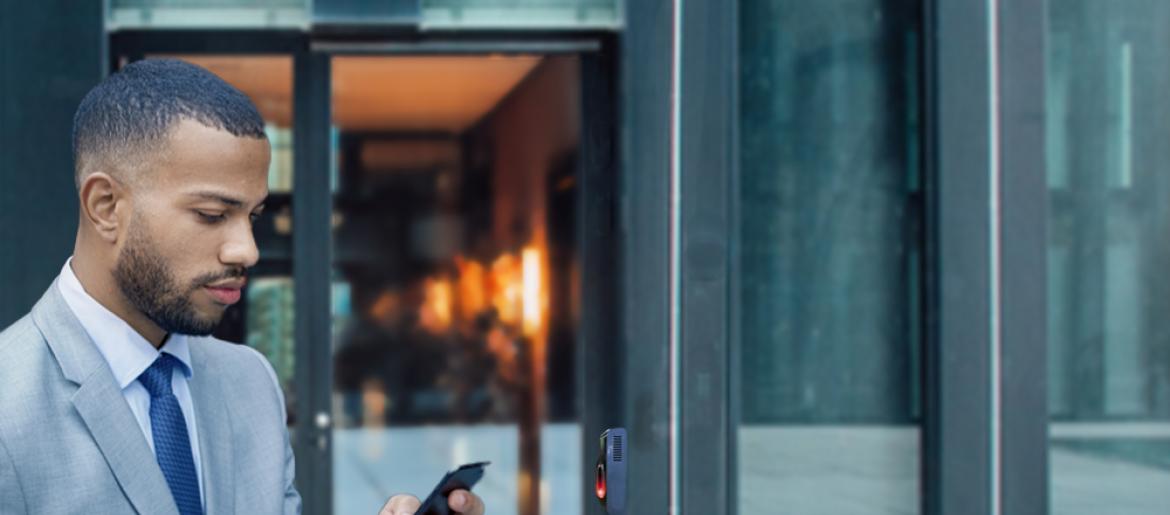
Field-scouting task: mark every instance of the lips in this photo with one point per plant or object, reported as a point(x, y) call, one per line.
point(226, 296)
point(226, 292)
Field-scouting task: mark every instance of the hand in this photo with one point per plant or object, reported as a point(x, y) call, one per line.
point(460, 501)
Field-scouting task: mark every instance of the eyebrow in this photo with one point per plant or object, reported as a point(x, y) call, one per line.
point(229, 201)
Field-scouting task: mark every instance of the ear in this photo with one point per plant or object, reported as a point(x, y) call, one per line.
point(100, 196)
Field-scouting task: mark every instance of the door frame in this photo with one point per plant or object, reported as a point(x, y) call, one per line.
point(600, 402)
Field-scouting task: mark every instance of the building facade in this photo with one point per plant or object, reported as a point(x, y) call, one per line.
point(818, 257)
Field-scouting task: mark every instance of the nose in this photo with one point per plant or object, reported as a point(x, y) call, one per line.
point(240, 248)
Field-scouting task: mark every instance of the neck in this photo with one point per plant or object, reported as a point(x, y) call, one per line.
point(97, 279)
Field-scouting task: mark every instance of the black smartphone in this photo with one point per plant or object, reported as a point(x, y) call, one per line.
point(462, 478)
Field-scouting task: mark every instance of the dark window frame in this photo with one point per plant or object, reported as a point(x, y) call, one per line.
point(989, 259)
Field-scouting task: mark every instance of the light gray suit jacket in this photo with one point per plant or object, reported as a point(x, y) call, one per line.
point(69, 443)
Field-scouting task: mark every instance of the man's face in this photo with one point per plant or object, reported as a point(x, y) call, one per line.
point(184, 254)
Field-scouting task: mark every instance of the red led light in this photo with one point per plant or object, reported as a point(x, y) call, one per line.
point(600, 482)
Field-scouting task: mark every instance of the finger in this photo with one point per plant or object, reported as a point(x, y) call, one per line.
point(401, 505)
point(465, 502)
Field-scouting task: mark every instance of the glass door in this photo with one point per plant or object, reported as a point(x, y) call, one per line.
point(829, 258)
point(456, 278)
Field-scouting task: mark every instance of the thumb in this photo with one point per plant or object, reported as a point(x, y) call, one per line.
point(401, 505)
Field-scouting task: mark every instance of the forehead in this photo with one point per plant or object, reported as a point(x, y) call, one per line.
point(195, 156)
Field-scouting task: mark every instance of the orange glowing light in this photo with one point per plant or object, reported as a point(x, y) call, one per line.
point(505, 287)
point(532, 298)
point(386, 306)
point(471, 287)
point(436, 312)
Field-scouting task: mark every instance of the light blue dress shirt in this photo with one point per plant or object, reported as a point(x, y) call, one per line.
point(129, 355)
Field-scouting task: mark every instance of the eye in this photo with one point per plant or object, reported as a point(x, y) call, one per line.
point(253, 217)
point(210, 218)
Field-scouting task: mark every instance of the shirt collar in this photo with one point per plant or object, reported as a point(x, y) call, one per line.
point(125, 350)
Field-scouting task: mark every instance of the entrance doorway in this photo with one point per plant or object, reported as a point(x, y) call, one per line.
point(455, 333)
point(460, 201)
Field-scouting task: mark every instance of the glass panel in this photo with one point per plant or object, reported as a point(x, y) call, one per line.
point(299, 13)
point(366, 11)
point(1109, 336)
point(830, 257)
point(206, 13)
point(455, 254)
point(265, 320)
point(521, 13)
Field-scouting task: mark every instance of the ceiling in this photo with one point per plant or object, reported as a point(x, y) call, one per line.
point(398, 94)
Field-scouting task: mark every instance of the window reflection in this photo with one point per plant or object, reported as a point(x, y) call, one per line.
point(1109, 343)
point(532, 13)
point(205, 13)
point(455, 244)
point(831, 250)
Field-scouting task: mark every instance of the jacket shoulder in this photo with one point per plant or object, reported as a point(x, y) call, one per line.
point(33, 386)
point(19, 332)
point(230, 357)
point(239, 364)
point(21, 345)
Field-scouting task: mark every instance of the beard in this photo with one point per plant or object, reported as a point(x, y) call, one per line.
point(151, 286)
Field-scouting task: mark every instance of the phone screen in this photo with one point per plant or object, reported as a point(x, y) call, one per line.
point(462, 478)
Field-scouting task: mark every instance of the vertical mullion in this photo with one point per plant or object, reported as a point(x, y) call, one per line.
point(645, 224)
point(312, 260)
point(599, 348)
point(1023, 259)
point(733, 394)
point(958, 421)
point(706, 166)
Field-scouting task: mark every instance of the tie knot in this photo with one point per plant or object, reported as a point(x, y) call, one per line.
point(157, 378)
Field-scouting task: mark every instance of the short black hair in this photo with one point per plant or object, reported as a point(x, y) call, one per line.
point(131, 111)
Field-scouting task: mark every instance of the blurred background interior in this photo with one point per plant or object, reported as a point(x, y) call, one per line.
point(454, 281)
point(495, 228)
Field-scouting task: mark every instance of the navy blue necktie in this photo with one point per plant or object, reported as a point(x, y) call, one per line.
point(172, 446)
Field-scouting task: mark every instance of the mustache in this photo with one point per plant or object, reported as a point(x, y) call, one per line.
point(208, 278)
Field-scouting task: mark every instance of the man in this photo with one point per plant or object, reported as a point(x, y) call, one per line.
point(113, 397)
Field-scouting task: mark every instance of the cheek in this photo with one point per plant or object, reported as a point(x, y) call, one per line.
point(190, 249)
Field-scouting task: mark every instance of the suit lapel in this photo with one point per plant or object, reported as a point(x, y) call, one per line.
point(215, 433)
point(102, 407)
